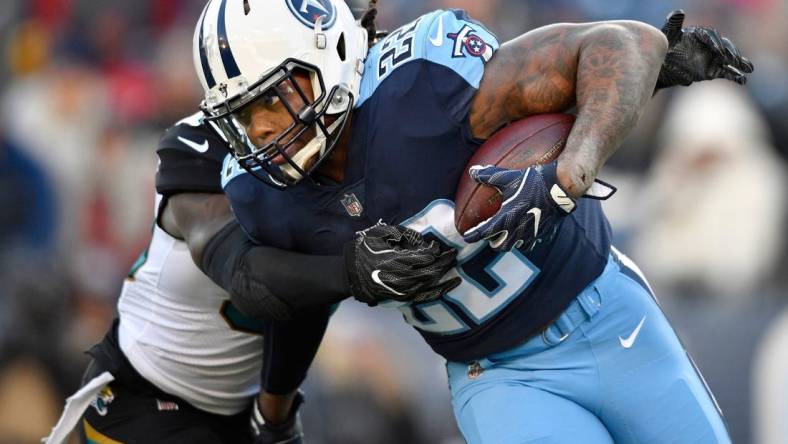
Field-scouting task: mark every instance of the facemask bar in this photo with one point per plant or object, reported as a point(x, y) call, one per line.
point(258, 160)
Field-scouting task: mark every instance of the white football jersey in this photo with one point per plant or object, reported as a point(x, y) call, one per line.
point(175, 331)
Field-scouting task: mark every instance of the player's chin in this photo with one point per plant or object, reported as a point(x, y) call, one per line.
point(290, 151)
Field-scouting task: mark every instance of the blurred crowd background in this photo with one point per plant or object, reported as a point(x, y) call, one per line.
point(89, 85)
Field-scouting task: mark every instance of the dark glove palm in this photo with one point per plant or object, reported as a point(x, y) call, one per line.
point(391, 262)
point(699, 53)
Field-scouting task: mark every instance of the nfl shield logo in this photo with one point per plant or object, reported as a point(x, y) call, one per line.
point(352, 205)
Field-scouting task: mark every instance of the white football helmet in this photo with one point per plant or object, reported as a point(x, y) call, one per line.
point(245, 49)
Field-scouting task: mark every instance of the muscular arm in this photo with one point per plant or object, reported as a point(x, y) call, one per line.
point(196, 218)
point(608, 70)
point(263, 282)
point(290, 345)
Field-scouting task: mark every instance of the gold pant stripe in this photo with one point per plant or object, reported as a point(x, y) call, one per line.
point(94, 437)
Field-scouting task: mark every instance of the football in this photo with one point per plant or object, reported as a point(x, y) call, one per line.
point(534, 140)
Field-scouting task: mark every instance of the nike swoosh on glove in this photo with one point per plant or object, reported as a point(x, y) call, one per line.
point(391, 262)
point(533, 204)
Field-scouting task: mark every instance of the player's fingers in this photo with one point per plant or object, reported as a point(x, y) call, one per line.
point(711, 38)
point(672, 26)
point(412, 239)
point(447, 259)
point(376, 244)
point(482, 173)
point(733, 74)
point(382, 232)
point(438, 290)
point(451, 284)
point(735, 58)
point(502, 179)
point(498, 240)
point(476, 233)
point(447, 286)
point(472, 236)
point(746, 65)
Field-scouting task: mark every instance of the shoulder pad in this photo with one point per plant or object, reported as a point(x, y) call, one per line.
point(194, 137)
point(190, 158)
point(455, 40)
point(448, 38)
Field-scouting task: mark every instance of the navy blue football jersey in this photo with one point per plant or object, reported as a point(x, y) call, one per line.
point(409, 146)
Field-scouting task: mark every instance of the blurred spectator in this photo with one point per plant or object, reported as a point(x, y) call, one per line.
point(770, 381)
point(90, 84)
point(59, 114)
point(713, 207)
point(391, 386)
point(28, 220)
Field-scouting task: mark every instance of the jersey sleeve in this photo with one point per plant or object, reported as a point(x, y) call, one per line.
point(190, 159)
point(458, 47)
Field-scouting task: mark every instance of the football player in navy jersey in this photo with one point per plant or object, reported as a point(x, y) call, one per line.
point(185, 361)
point(552, 335)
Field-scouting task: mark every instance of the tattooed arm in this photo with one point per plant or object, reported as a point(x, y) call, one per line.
point(607, 69)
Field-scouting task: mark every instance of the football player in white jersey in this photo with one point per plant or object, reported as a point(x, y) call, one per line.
point(184, 362)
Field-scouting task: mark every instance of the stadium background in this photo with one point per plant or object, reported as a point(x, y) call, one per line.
point(88, 86)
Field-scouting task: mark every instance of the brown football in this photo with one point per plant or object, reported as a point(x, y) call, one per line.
point(534, 140)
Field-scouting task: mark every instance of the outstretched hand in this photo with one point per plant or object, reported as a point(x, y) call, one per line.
point(699, 53)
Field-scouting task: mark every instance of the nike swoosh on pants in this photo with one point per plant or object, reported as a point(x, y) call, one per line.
point(629, 341)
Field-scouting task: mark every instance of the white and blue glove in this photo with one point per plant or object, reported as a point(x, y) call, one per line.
point(533, 204)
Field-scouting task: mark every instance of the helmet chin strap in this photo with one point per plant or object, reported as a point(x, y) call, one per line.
point(314, 147)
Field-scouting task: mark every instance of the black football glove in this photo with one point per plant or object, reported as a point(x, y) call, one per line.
point(288, 432)
point(699, 53)
point(391, 262)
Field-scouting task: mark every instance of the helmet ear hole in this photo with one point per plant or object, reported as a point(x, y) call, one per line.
point(246, 7)
point(341, 47)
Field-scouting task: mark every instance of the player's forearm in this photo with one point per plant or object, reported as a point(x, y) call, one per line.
point(262, 281)
point(617, 68)
point(290, 348)
point(270, 283)
point(275, 408)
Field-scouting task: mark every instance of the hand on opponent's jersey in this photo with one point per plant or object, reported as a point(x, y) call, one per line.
point(391, 262)
point(699, 53)
point(288, 432)
point(533, 203)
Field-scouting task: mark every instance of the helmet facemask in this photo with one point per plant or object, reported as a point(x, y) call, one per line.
point(246, 51)
point(270, 162)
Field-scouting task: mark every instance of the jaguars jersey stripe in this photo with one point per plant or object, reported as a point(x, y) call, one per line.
point(96, 437)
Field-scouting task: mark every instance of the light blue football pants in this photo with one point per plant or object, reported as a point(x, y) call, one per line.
point(609, 369)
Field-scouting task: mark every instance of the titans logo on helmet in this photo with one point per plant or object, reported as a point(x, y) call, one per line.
point(308, 11)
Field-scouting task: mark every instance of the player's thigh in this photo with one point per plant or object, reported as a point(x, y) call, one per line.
point(513, 413)
point(651, 390)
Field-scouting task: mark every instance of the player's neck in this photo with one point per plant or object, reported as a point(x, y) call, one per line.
point(333, 168)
